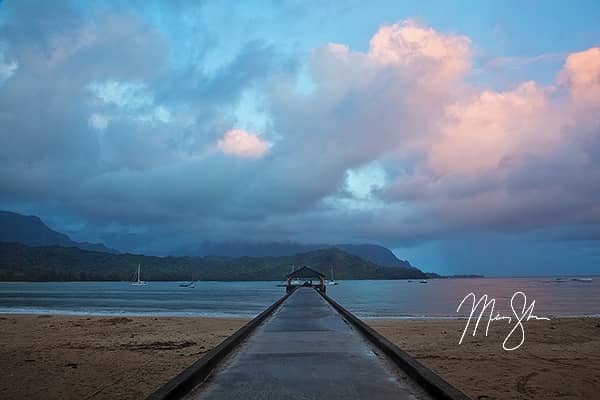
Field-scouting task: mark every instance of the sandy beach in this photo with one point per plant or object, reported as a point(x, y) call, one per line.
point(560, 359)
point(71, 357)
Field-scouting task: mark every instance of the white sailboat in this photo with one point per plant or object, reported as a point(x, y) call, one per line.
point(295, 281)
point(138, 281)
point(332, 280)
point(581, 279)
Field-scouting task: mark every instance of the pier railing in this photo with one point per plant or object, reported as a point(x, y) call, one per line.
point(426, 378)
point(195, 374)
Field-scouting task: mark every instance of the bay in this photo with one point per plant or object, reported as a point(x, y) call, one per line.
point(438, 298)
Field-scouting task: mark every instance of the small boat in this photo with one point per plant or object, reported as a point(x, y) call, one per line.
point(188, 284)
point(581, 279)
point(138, 282)
point(423, 281)
point(332, 280)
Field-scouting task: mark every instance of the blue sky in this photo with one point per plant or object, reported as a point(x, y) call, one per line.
point(463, 135)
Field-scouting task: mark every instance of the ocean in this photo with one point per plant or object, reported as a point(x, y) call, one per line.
point(438, 298)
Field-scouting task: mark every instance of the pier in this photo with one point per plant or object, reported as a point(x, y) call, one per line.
point(306, 346)
point(307, 276)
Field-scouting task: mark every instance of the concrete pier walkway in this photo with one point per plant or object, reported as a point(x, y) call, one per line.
point(306, 350)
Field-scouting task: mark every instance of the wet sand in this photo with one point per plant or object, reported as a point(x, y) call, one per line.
point(67, 357)
point(559, 359)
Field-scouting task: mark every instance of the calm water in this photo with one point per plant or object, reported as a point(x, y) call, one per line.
point(367, 299)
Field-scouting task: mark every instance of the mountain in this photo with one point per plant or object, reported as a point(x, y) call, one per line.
point(31, 231)
point(55, 263)
point(377, 254)
point(371, 252)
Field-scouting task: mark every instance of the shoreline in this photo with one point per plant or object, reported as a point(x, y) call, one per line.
point(107, 357)
point(567, 277)
point(217, 315)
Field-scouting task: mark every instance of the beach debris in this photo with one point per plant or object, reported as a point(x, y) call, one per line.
point(166, 345)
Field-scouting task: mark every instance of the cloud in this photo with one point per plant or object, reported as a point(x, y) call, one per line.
point(439, 57)
point(458, 157)
point(581, 74)
point(240, 143)
point(392, 144)
point(98, 98)
point(478, 132)
point(98, 121)
point(127, 95)
point(7, 68)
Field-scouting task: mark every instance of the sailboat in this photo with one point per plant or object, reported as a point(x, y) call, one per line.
point(332, 280)
point(139, 281)
point(190, 284)
point(295, 281)
point(581, 279)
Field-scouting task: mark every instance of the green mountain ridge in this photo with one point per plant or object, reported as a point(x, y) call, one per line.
point(19, 262)
point(377, 254)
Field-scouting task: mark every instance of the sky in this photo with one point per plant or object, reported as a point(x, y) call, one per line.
point(463, 135)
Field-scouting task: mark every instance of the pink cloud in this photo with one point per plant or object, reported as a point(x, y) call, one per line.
point(461, 154)
point(437, 57)
point(419, 61)
point(479, 131)
point(240, 143)
point(581, 74)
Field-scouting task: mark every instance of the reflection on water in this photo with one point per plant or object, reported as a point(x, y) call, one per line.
point(371, 299)
point(440, 297)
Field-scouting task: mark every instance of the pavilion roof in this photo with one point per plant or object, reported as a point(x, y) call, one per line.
point(305, 272)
